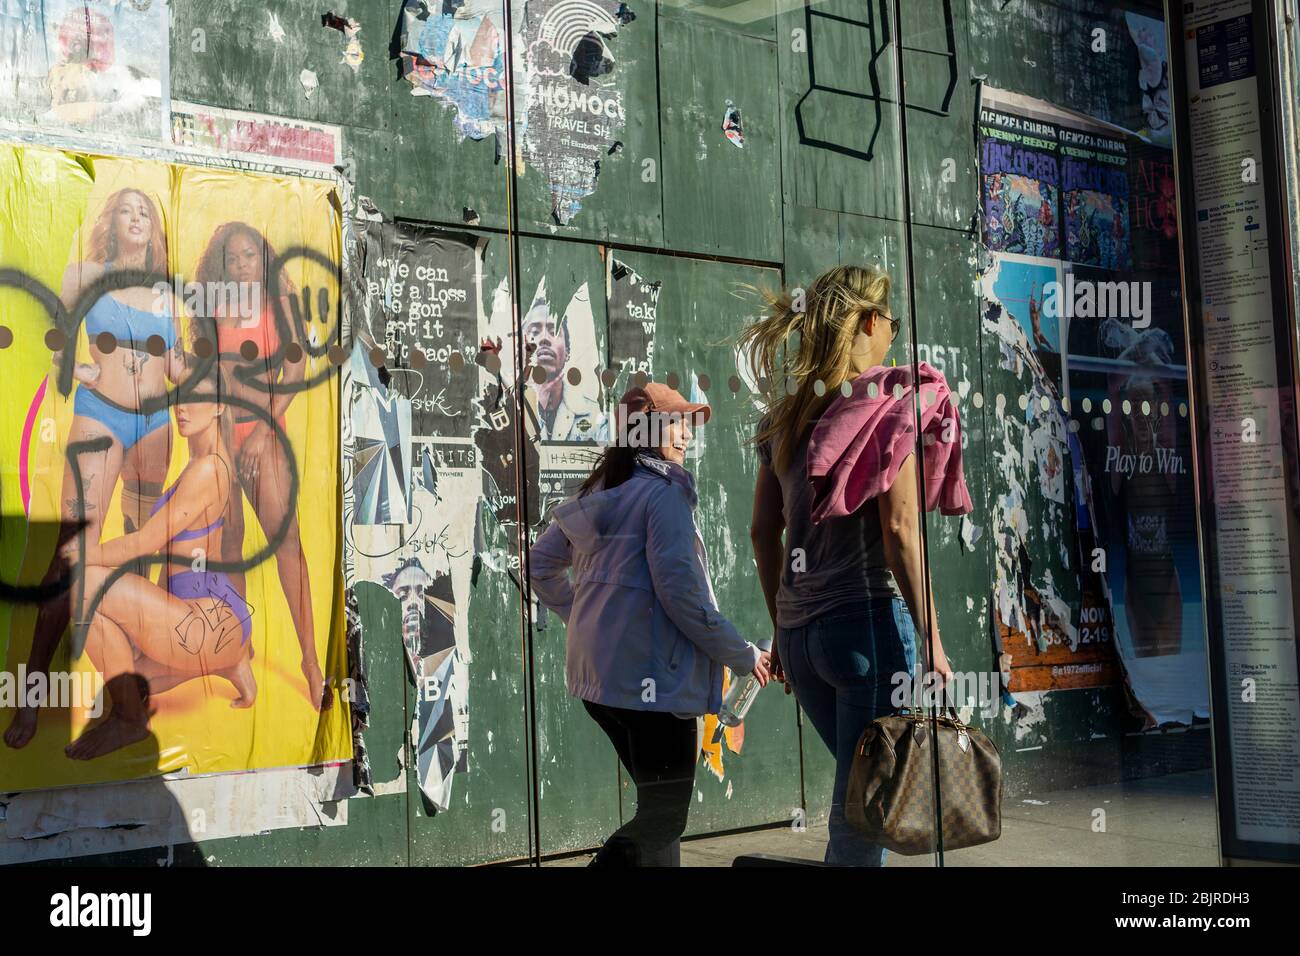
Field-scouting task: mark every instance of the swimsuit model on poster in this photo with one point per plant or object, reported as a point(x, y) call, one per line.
point(135, 350)
point(260, 369)
point(196, 625)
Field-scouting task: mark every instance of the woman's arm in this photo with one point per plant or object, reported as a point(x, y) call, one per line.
point(87, 373)
point(900, 517)
point(766, 525)
point(198, 493)
point(682, 587)
point(548, 569)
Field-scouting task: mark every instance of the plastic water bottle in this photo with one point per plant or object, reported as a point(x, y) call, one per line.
point(739, 698)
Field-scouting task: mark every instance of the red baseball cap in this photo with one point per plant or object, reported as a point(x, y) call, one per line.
point(657, 397)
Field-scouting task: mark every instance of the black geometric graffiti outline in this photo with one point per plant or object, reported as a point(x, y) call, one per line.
point(874, 96)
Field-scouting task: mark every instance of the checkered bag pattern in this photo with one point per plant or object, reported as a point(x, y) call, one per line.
point(890, 796)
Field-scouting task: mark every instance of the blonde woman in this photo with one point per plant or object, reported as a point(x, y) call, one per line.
point(135, 350)
point(846, 594)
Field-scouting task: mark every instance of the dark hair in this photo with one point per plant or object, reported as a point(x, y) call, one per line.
point(391, 578)
point(561, 326)
point(614, 467)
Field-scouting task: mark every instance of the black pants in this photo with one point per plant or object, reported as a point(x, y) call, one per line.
point(658, 751)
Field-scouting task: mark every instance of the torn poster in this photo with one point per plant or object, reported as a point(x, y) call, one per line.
point(86, 65)
point(381, 428)
point(1093, 330)
point(1030, 522)
point(426, 564)
point(496, 409)
point(421, 307)
point(565, 349)
point(570, 108)
point(456, 53)
point(1021, 184)
point(430, 576)
point(1153, 76)
point(633, 310)
point(1094, 195)
point(566, 410)
point(350, 28)
point(574, 108)
point(417, 298)
point(731, 127)
point(255, 136)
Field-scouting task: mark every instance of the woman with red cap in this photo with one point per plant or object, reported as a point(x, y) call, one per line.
point(646, 641)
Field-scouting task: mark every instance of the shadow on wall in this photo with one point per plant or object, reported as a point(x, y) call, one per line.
point(65, 825)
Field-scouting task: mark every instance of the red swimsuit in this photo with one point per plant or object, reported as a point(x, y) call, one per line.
point(230, 339)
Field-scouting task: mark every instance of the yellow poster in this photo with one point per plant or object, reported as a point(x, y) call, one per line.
point(170, 590)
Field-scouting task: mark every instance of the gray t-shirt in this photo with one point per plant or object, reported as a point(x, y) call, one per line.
point(842, 559)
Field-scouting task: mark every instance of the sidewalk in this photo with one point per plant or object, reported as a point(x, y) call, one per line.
point(1159, 821)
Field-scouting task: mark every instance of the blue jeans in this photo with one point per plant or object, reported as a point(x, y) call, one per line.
point(842, 666)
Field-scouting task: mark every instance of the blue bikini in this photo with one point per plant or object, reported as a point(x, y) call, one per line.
point(132, 328)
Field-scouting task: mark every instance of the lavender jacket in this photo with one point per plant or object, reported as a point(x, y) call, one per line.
point(644, 629)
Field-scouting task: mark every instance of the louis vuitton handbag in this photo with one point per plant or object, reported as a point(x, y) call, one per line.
point(891, 789)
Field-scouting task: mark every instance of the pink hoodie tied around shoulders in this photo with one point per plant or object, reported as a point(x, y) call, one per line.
point(862, 440)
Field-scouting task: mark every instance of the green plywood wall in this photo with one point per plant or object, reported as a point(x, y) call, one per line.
point(577, 769)
point(817, 183)
point(719, 198)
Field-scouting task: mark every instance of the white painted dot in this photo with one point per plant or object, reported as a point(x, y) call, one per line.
point(977, 400)
point(1065, 404)
point(872, 390)
point(1000, 402)
point(1045, 404)
point(1182, 409)
point(1024, 402)
point(1074, 424)
point(1087, 405)
point(1146, 408)
point(791, 385)
point(898, 392)
point(846, 389)
point(1105, 405)
point(1127, 406)
point(819, 388)
point(1164, 408)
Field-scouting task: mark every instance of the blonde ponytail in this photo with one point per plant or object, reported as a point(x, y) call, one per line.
point(826, 317)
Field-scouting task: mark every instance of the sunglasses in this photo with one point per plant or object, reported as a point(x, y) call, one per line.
point(894, 324)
